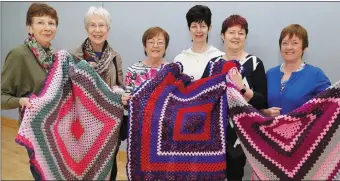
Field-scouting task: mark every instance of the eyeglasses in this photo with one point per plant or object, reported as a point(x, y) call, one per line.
point(152, 43)
point(101, 26)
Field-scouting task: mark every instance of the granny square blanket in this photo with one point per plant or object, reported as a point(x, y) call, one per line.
point(177, 128)
point(301, 145)
point(73, 126)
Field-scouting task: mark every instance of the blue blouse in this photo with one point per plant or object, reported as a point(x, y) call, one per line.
point(300, 87)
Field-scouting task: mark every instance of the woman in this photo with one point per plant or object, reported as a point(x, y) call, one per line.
point(252, 84)
point(155, 41)
point(291, 146)
point(96, 49)
point(99, 54)
point(199, 24)
point(26, 66)
point(294, 82)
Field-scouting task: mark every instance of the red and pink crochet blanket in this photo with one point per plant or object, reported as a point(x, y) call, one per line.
point(73, 126)
point(301, 145)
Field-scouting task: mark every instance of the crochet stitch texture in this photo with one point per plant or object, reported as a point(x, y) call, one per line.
point(301, 145)
point(73, 126)
point(177, 128)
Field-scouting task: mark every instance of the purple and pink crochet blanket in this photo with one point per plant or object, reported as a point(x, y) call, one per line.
point(177, 128)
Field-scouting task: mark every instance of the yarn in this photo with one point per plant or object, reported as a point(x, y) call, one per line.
point(73, 126)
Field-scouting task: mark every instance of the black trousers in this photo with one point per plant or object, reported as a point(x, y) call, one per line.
point(236, 159)
point(114, 169)
point(34, 171)
point(123, 132)
point(235, 167)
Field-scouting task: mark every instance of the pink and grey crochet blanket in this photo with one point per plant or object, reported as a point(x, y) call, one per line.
point(301, 145)
point(177, 128)
point(73, 126)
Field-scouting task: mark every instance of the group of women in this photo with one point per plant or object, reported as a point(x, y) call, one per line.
point(279, 91)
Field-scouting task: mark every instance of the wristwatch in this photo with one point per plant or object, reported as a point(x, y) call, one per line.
point(243, 91)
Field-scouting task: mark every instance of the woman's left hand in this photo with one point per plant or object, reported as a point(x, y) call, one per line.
point(25, 102)
point(236, 77)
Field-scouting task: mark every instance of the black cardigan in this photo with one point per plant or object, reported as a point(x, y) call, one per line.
point(255, 77)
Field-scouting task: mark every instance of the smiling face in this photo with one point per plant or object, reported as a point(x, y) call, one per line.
point(292, 49)
point(234, 37)
point(199, 32)
point(43, 28)
point(155, 47)
point(97, 30)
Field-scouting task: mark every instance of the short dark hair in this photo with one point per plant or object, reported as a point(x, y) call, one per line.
point(155, 31)
point(199, 14)
point(38, 10)
point(234, 20)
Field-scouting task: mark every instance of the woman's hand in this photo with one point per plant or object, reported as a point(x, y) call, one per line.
point(272, 112)
point(125, 98)
point(92, 64)
point(236, 77)
point(24, 101)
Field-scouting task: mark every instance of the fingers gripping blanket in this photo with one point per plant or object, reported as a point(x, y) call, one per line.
point(301, 145)
point(73, 126)
point(177, 127)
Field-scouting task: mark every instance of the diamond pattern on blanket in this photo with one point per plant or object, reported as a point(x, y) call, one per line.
point(177, 127)
point(72, 129)
point(300, 145)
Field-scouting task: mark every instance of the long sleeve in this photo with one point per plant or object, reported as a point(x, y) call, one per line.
point(130, 79)
point(10, 81)
point(259, 80)
point(120, 71)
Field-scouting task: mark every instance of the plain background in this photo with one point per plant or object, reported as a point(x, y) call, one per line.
point(131, 19)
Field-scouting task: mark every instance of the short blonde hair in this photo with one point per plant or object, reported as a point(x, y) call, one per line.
point(98, 11)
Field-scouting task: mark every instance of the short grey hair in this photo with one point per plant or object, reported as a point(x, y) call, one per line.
point(98, 11)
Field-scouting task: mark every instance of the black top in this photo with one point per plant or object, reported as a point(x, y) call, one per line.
point(254, 77)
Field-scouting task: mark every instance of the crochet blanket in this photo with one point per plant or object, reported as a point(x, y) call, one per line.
point(301, 145)
point(177, 128)
point(74, 123)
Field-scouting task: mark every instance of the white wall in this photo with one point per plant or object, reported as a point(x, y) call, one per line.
point(131, 19)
